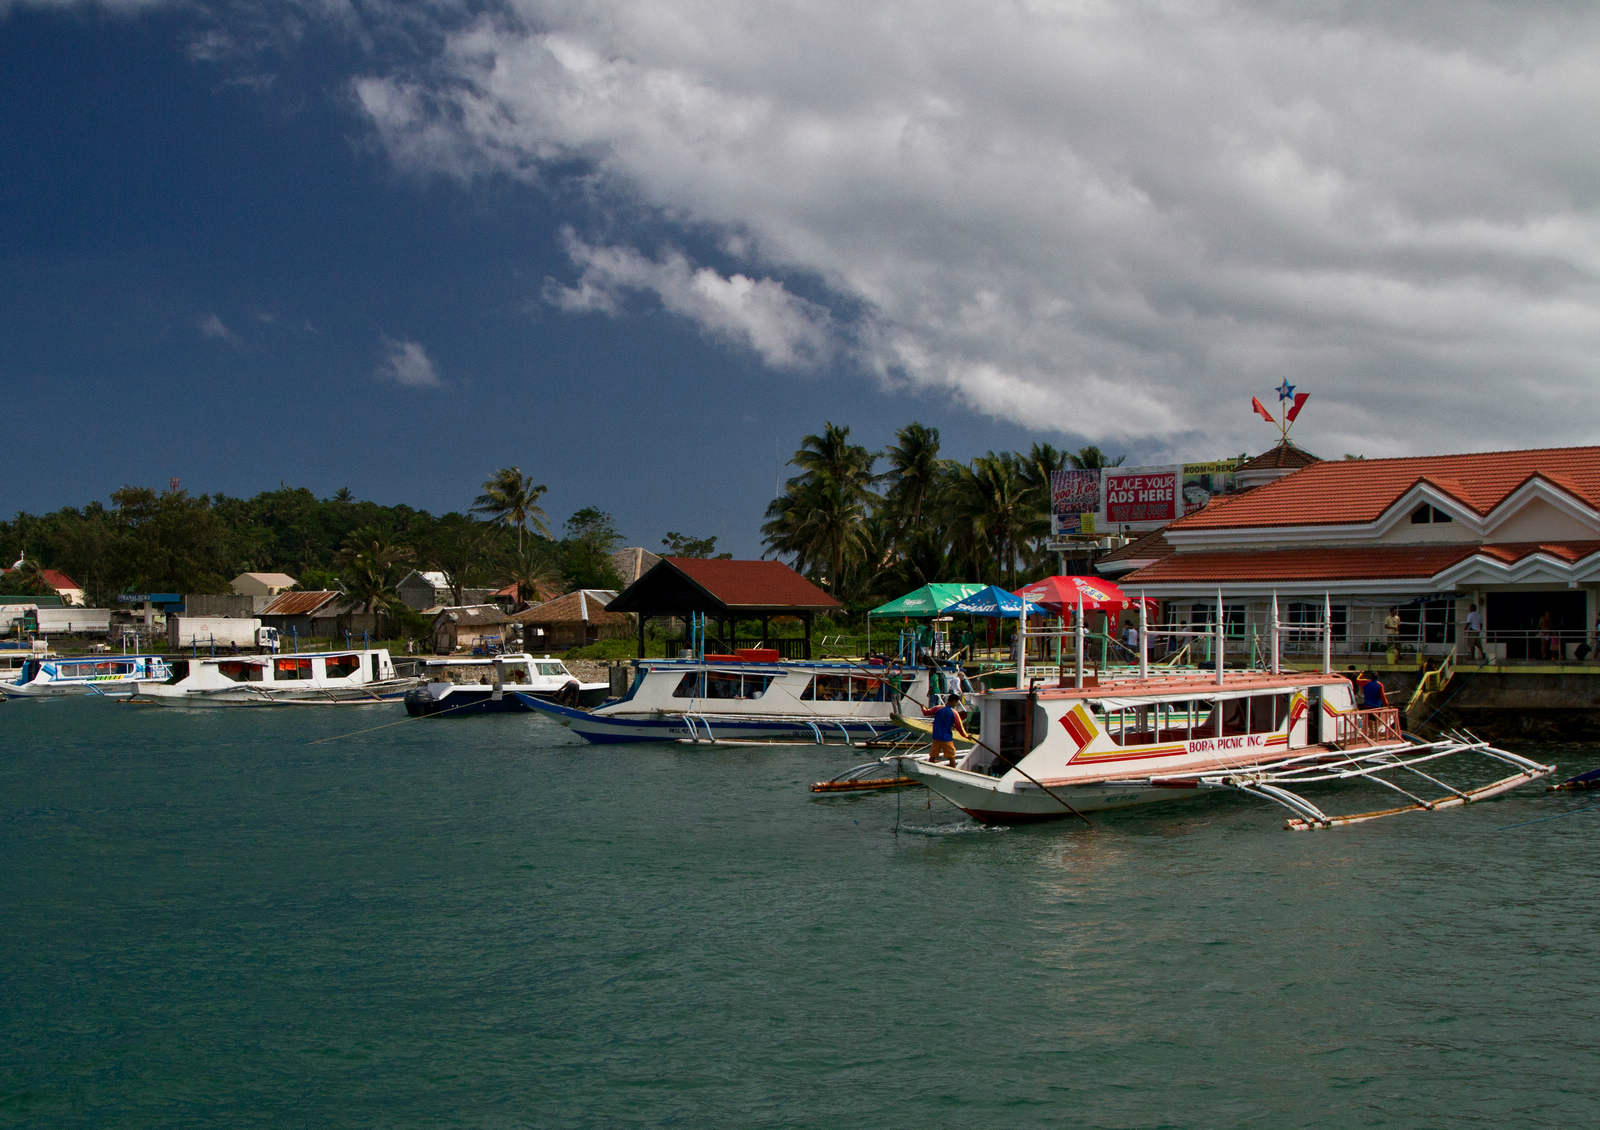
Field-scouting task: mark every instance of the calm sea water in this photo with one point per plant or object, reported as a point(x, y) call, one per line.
point(342, 918)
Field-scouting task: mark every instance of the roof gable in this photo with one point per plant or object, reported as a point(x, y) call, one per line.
point(298, 603)
point(1363, 491)
point(680, 585)
point(586, 606)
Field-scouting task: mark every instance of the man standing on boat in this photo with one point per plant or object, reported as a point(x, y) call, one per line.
point(946, 725)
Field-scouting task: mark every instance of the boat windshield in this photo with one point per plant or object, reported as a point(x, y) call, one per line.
point(549, 667)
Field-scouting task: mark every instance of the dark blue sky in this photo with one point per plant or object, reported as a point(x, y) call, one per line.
point(145, 193)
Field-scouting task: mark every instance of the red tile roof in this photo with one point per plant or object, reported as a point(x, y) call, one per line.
point(56, 579)
point(678, 585)
point(752, 584)
point(1375, 563)
point(1285, 454)
point(1354, 491)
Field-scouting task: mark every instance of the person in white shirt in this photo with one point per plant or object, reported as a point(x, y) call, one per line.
point(1475, 633)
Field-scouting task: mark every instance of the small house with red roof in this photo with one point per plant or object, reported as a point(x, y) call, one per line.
point(574, 619)
point(725, 592)
point(1516, 533)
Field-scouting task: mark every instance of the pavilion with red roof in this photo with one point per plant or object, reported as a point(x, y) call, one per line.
point(1515, 532)
point(725, 592)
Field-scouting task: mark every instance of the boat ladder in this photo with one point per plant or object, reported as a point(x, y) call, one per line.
point(1429, 686)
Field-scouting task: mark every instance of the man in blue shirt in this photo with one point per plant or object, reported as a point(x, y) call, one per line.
point(946, 725)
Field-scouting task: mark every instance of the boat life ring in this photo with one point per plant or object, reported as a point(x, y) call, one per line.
point(568, 694)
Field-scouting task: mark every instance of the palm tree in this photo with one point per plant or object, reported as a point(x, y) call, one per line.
point(914, 470)
point(26, 578)
point(820, 517)
point(1038, 466)
point(369, 564)
point(992, 505)
point(510, 498)
point(1091, 458)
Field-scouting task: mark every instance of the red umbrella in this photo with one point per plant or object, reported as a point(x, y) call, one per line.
point(1062, 594)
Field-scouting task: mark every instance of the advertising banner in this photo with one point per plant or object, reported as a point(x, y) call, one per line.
point(1074, 501)
point(1143, 498)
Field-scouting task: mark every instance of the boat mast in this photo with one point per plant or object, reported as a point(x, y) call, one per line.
point(1221, 636)
point(1273, 628)
point(1078, 644)
point(1144, 639)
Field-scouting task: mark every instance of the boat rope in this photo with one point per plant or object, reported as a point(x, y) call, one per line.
point(389, 725)
point(1040, 784)
point(1555, 816)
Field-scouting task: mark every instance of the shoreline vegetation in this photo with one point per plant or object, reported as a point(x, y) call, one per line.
point(863, 525)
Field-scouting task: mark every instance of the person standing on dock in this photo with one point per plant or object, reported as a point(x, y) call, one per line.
point(1475, 633)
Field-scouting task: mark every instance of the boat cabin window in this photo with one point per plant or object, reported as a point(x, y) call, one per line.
point(1153, 723)
point(1156, 722)
point(722, 684)
point(550, 668)
point(288, 670)
point(341, 665)
point(845, 688)
point(241, 672)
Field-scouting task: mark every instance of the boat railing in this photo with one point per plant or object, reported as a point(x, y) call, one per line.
point(1376, 726)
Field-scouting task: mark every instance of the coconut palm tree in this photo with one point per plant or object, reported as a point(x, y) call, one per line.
point(820, 517)
point(914, 470)
point(369, 568)
point(510, 498)
point(992, 505)
point(1091, 458)
point(26, 578)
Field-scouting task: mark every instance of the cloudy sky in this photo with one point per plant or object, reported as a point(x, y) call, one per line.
point(640, 248)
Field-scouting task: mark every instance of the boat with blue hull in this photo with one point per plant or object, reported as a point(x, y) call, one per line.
point(112, 675)
point(753, 696)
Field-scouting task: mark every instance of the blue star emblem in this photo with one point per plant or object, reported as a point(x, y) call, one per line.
point(1286, 391)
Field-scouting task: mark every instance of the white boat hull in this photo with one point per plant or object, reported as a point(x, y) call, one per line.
point(993, 802)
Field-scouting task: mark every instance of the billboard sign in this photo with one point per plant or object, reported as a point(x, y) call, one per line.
point(1144, 498)
point(1074, 501)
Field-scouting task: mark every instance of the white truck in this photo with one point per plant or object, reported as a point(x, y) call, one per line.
point(71, 621)
point(207, 632)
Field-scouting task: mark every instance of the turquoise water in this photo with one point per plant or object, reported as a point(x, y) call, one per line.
point(339, 918)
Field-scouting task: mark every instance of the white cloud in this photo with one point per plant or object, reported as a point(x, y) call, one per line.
point(1110, 221)
point(213, 327)
point(786, 331)
point(407, 363)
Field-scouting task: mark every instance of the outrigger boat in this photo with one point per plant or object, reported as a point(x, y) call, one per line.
point(111, 675)
point(1103, 742)
point(483, 686)
point(363, 677)
point(752, 695)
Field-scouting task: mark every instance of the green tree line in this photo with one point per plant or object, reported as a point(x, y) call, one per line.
point(869, 534)
point(172, 541)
